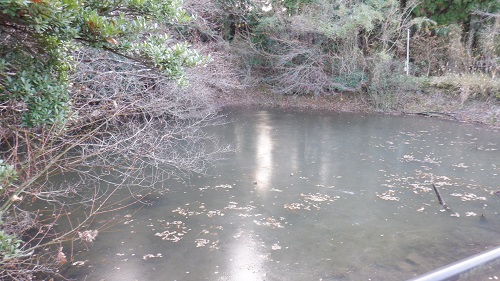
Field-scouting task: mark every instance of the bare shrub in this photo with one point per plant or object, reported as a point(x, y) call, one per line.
point(428, 53)
point(448, 50)
point(224, 75)
point(457, 58)
point(130, 130)
point(227, 72)
point(489, 42)
point(389, 87)
point(326, 47)
point(301, 70)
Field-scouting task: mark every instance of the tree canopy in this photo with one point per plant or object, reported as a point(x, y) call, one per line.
point(39, 36)
point(457, 11)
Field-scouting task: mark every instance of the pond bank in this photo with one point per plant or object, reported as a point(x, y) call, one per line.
point(435, 103)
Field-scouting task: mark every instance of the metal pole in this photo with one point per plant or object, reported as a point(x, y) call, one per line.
point(453, 271)
point(408, 52)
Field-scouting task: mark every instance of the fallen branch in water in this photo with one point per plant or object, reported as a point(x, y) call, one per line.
point(440, 198)
point(450, 115)
point(445, 206)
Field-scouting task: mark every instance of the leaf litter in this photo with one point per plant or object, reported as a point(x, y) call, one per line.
point(174, 231)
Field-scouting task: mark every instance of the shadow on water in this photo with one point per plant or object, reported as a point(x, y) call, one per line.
point(315, 197)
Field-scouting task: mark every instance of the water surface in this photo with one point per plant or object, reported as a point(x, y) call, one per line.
point(315, 196)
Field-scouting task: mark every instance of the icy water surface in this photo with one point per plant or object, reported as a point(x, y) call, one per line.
point(316, 197)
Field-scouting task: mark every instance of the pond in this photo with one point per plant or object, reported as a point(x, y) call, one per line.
point(315, 196)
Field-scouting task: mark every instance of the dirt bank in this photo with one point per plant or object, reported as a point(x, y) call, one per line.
point(437, 104)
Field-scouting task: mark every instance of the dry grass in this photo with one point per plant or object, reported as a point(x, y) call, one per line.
point(468, 86)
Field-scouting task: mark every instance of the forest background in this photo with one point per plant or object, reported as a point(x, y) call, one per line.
point(96, 89)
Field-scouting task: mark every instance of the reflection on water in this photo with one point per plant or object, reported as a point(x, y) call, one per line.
point(264, 156)
point(316, 197)
point(244, 262)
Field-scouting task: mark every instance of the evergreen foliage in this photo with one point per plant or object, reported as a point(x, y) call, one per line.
point(39, 36)
point(452, 12)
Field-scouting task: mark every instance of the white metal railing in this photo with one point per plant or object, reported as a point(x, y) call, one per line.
point(454, 270)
